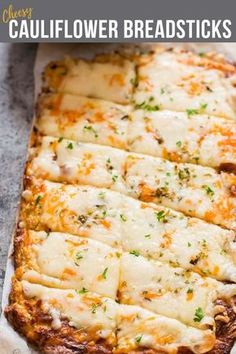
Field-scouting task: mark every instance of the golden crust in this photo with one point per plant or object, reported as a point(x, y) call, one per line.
point(29, 319)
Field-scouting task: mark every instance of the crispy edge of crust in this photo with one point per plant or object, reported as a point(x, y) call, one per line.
point(28, 318)
point(225, 331)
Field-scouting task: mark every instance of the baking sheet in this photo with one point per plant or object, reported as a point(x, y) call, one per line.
point(10, 341)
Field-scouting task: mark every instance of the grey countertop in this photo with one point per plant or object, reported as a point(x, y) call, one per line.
point(16, 107)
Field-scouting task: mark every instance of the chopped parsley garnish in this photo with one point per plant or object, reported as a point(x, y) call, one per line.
point(78, 256)
point(37, 200)
point(138, 339)
point(135, 253)
point(147, 236)
point(70, 146)
point(101, 195)
point(89, 128)
point(190, 291)
point(162, 192)
point(193, 111)
point(203, 106)
point(208, 190)
point(184, 174)
point(114, 178)
point(199, 314)
point(82, 291)
point(123, 217)
point(104, 273)
point(161, 216)
point(189, 244)
point(60, 139)
point(147, 106)
point(179, 143)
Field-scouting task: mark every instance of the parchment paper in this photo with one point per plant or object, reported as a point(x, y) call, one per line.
point(10, 341)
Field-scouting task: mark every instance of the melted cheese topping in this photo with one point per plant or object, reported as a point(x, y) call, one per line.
point(75, 263)
point(83, 119)
point(129, 225)
point(101, 315)
point(89, 164)
point(90, 266)
point(176, 136)
point(101, 245)
point(86, 311)
point(174, 81)
point(107, 80)
point(195, 190)
point(168, 291)
point(140, 328)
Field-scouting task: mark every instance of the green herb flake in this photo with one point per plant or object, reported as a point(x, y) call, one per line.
point(201, 54)
point(191, 112)
point(146, 106)
point(199, 314)
point(203, 106)
point(60, 139)
point(90, 129)
point(101, 195)
point(147, 236)
point(190, 291)
point(179, 143)
point(208, 190)
point(114, 178)
point(138, 339)
point(184, 174)
point(37, 200)
point(135, 253)
point(161, 216)
point(201, 109)
point(123, 217)
point(104, 273)
point(70, 146)
point(82, 291)
point(78, 256)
